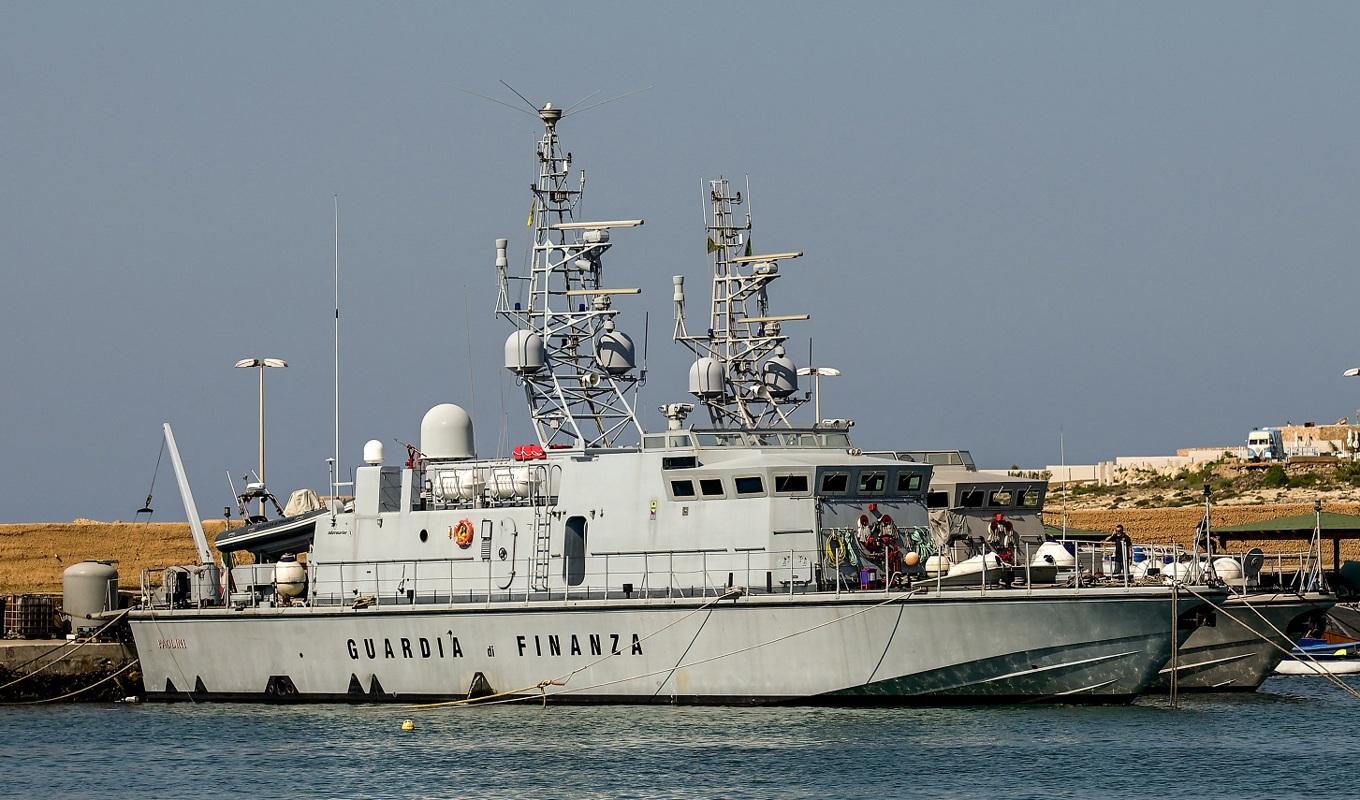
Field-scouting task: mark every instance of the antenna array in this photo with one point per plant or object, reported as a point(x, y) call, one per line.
point(576, 366)
point(742, 374)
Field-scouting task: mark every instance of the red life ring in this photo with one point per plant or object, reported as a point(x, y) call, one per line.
point(462, 533)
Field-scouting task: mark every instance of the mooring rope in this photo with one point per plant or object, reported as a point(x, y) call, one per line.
point(1315, 665)
point(80, 643)
point(517, 695)
point(542, 685)
point(82, 690)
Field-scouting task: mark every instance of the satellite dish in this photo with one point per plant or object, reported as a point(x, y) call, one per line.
point(1252, 563)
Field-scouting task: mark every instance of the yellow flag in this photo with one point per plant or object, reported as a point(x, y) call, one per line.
point(529, 223)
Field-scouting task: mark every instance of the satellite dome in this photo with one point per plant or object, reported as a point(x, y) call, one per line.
point(524, 352)
point(614, 350)
point(780, 374)
point(446, 433)
point(706, 378)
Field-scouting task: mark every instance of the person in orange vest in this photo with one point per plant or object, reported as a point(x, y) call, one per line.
point(1002, 539)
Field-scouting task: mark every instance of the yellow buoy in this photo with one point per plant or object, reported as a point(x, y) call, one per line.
point(408, 725)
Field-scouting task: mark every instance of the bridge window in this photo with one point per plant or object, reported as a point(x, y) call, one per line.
point(679, 462)
point(872, 482)
point(682, 490)
point(711, 487)
point(835, 482)
point(908, 482)
point(937, 499)
point(971, 498)
point(750, 485)
point(1001, 498)
point(790, 484)
point(1029, 498)
point(653, 442)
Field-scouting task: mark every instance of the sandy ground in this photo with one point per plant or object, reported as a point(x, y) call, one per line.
point(33, 555)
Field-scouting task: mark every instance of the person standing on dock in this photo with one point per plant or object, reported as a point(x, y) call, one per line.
point(1123, 549)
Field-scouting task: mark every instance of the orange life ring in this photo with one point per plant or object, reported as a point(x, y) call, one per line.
point(462, 533)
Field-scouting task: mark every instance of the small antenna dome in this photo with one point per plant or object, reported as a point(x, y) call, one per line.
point(524, 352)
point(780, 374)
point(446, 433)
point(614, 351)
point(706, 378)
point(373, 453)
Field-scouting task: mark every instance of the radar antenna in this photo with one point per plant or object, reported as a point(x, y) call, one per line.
point(742, 374)
point(576, 366)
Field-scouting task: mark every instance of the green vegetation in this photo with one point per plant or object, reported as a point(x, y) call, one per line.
point(1275, 477)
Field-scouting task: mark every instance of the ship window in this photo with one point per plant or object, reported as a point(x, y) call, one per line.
point(971, 498)
point(680, 441)
point(574, 551)
point(682, 489)
point(767, 439)
point(748, 485)
point(1028, 498)
point(1001, 498)
point(711, 487)
point(937, 499)
point(653, 442)
point(835, 440)
point(389, 489)
point(908, 482)
point(790, 484)
point(872, 482)
point(835, 483)
point(679, 462)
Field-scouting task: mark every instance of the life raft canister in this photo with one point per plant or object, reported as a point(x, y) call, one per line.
point(462, 533)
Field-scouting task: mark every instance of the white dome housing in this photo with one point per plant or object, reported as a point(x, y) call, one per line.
point(524, 353)
point(373, 452)
point(614, 351)
point(706, 378)
point(780, 374)
point(446, 433)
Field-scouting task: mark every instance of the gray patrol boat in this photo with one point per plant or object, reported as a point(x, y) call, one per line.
point(750, 560)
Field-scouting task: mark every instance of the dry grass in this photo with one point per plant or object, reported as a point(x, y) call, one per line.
point(1167, 525)
point(33, 555)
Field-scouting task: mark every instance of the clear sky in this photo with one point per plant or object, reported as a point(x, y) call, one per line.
point(1135, 223)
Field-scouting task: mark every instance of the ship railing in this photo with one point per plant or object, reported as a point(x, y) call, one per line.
point(1240, 573)
point(640, 576)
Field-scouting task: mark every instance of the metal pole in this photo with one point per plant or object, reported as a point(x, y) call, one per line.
point(1175, 642)
point(261, 453)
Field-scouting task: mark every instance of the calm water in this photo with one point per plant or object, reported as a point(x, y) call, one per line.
point(1294, 738)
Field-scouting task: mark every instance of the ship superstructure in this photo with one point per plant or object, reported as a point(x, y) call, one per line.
point(752, 560)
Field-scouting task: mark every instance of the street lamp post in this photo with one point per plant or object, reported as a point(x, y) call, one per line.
point(261, 364)
point(817, 373)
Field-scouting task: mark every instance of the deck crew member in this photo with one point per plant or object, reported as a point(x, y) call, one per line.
point(1002, 539)
point(1123, 549)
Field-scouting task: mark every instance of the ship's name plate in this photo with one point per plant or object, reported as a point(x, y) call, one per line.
point(449, 646)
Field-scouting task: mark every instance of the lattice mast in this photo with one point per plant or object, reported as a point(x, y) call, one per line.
point(578, 370)
point(742, 373)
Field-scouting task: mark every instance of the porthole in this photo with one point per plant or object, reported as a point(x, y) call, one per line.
point(424, 535)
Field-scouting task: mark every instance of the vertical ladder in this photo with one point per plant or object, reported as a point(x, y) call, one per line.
point(540, 493)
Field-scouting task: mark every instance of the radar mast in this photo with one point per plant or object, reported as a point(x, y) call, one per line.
point(577, 368)
point(742, 374)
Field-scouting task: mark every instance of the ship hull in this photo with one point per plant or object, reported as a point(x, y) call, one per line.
point(1233, 656)
point(1101, 646)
